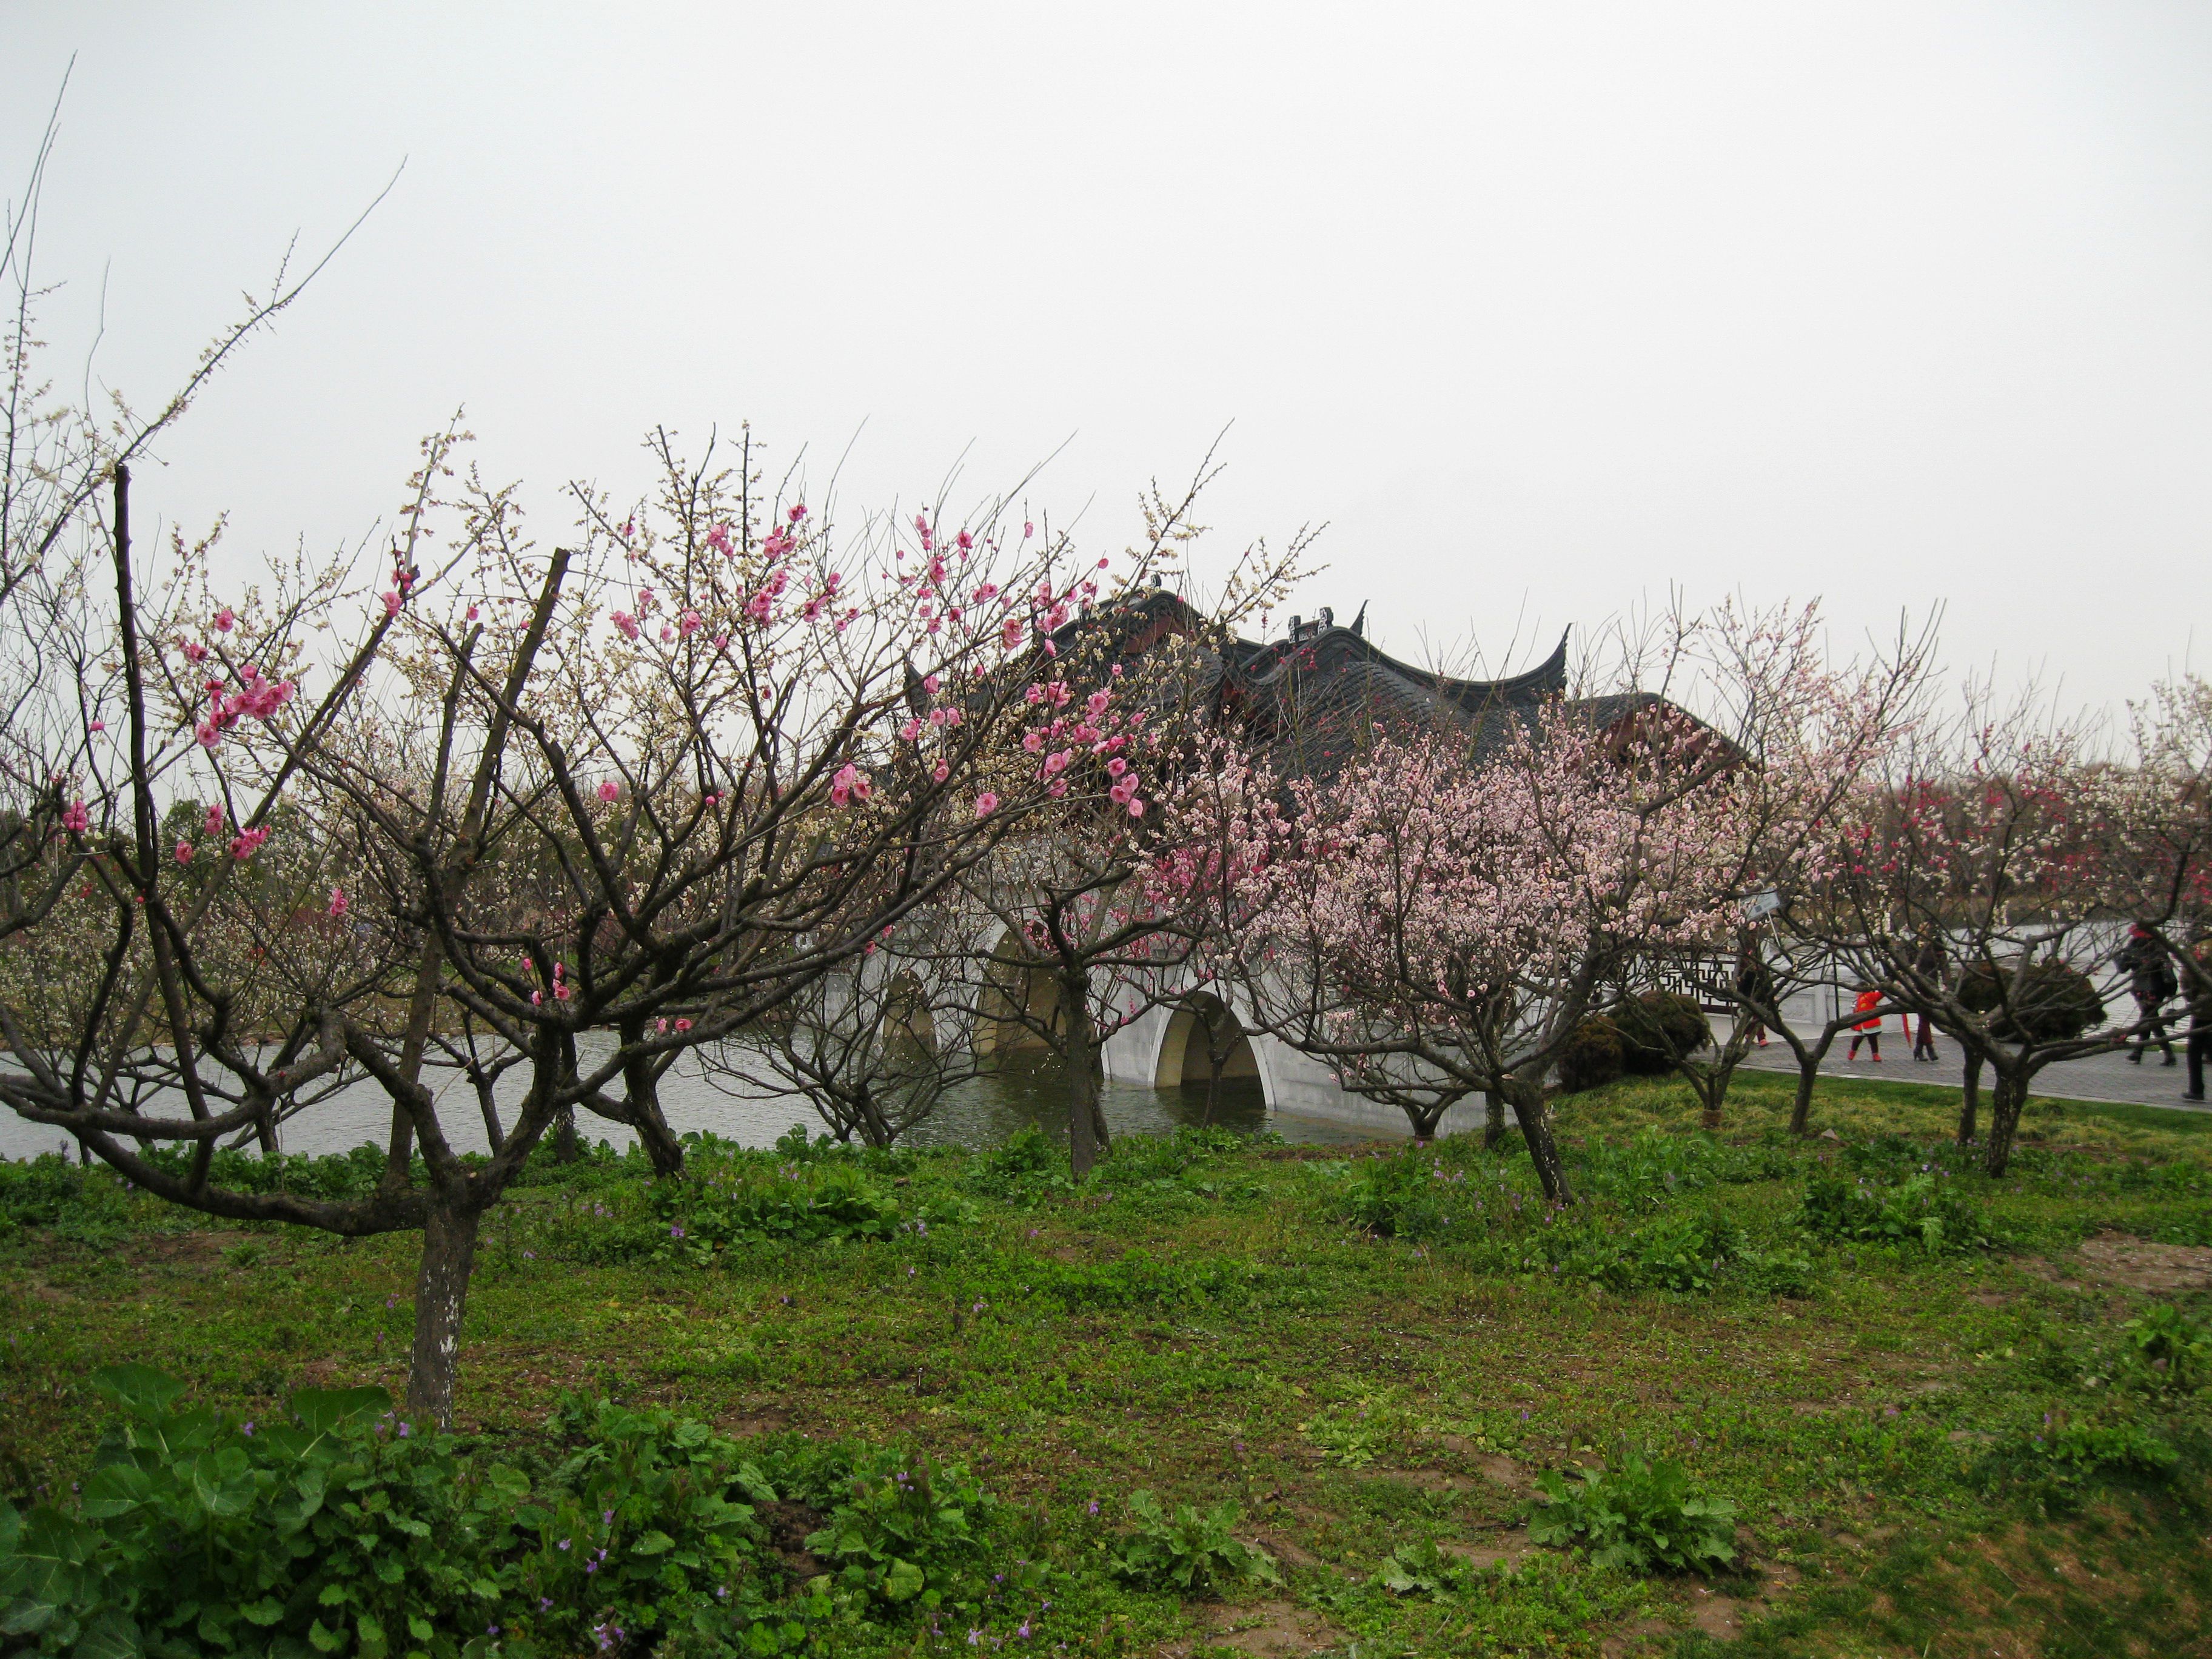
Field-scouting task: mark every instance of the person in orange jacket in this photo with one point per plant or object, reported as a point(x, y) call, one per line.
point(1868, 1031)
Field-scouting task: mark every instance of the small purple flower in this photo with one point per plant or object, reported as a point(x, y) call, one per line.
point(1094, 1506)
point(676, 1230)
point(563, 1544)
point(491, 1629)
point(403, 1430)
point(608, 1517)
point(1024, 1633)
point(544, 1604)
point(974, 1638)
point(529, 1255)
point(247, 1428)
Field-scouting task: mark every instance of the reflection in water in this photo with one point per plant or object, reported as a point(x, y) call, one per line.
point(1025, 1090)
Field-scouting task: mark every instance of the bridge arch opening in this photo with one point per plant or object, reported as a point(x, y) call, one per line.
point(910, 1029)
point(1022, 1008)
point(1205, 1046)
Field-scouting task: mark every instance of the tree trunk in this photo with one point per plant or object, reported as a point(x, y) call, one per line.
point(441, 1293)
point(641, 1084)
point(1425, 1119)
point(2006, 1102)
point(1086, 1121)
point(1969, 1099)
point(1493, 1119)
point(1535, 1114)
point(565, 1149)
point(1800, 1108)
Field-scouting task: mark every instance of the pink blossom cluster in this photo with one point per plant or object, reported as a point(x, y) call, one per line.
point(255, 694)
point(1097, 729)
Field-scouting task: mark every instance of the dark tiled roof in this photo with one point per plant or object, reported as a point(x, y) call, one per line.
point(1317, 699)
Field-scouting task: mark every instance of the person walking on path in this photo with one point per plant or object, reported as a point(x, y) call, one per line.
point(1928, 966)
point(1867, 1030)
point(2152, 983)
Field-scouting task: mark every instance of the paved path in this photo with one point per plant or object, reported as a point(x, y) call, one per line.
point(2102, 1077)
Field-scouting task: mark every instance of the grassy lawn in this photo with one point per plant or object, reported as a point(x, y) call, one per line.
point(1943, 1441)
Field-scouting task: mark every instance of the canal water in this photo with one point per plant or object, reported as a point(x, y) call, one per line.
point(980, 1112)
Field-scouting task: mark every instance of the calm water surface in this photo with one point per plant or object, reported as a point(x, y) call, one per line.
point(981, 1112)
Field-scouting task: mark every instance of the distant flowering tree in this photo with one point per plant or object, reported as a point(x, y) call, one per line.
point(1808, 732)
point(1436, 919)
point(1429, 927)
point(2156, 814)
point(1099, 899)
point(1969, 883)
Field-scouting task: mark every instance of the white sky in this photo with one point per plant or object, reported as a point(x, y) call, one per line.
point(1543, 308)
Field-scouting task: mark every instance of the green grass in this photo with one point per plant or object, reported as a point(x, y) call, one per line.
point(1201, 1322)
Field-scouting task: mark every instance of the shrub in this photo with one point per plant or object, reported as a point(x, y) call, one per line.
point(1421, 1569)
point(2168, 1350)
point(340, 1531)
point(89, 1206)
point(1659, 1029)
point(1592, 1056)
point(1921, 1210)
point(1416, 1194)
point(1026, 1168)
point(905, 1529)
point(743, 1201)
point(1651, 1169)
point(1190, 1552)
point(2051, 1002)
point(1642, 1514)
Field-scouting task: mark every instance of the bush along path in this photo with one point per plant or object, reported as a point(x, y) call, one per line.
point(1843, 1395)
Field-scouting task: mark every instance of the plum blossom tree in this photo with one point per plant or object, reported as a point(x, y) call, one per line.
point(1436, 920)
point(1429, 927)
point(1967, 884)
point(1807, 730)
point(2155, 851)
point(1097, 897)
point(545, 819)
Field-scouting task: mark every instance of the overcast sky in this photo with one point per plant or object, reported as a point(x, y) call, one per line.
point(1542, 307)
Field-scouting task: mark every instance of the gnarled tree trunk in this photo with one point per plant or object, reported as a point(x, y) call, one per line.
point(1969, 1099)
point(2006, 1101)
point(1087, 1139)
point(1535, 1114)
point(441, 1294)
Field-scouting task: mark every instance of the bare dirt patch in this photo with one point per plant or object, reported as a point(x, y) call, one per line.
point(789, 1525)
point(2136, 1264)
point(1285, 1551)
point(1508, 1548)
point(1269, 1628)
point(765, 1419)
